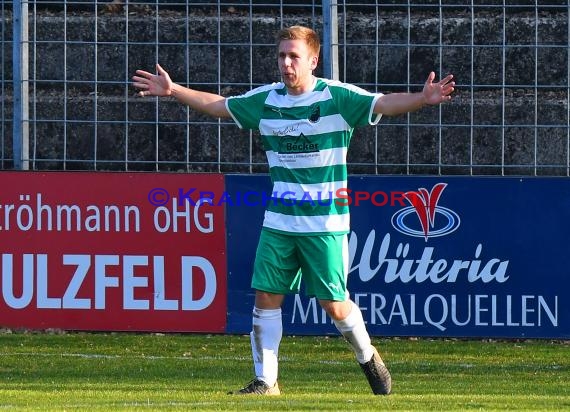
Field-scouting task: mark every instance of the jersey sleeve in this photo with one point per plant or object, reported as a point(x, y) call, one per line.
point(247, 109)
point(355, 104)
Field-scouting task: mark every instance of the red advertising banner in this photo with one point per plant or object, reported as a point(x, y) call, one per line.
point(112, 251)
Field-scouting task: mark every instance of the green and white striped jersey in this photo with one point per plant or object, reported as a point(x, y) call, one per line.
point(306, 138)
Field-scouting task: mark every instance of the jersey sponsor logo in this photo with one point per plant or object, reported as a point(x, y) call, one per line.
point(297, 144)
point(287, 130)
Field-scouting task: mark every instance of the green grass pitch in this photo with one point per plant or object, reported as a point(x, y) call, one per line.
point(148, 372)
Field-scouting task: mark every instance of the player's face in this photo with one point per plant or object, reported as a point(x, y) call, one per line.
point(296, 64)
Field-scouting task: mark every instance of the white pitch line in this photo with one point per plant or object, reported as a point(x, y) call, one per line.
point(151, 357)
point(238, 358)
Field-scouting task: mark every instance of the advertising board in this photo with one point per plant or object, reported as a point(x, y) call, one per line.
point(432, 256)
point(112, 251)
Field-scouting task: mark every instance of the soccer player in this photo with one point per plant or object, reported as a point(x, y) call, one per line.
point(306, 124)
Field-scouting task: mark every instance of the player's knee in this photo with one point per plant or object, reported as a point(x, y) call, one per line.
point(336, 310)
point(266, 300)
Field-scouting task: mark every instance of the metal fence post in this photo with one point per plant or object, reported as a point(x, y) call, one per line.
point(20, 72)
point(330, 39)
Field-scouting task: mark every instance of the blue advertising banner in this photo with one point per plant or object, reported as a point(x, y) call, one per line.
point(429, 256)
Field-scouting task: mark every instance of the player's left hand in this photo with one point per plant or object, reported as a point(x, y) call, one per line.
point(438, 92)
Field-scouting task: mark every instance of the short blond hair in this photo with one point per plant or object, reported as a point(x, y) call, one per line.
point(301, 33)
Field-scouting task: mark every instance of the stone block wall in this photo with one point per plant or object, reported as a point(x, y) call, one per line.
point(509, 114)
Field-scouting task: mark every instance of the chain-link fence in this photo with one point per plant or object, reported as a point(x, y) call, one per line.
point(68, 102)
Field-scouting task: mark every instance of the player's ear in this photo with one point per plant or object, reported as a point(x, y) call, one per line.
point(314, 62)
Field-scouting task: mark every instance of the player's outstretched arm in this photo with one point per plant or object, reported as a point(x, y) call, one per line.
point(160, 84)
point(432, 93)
